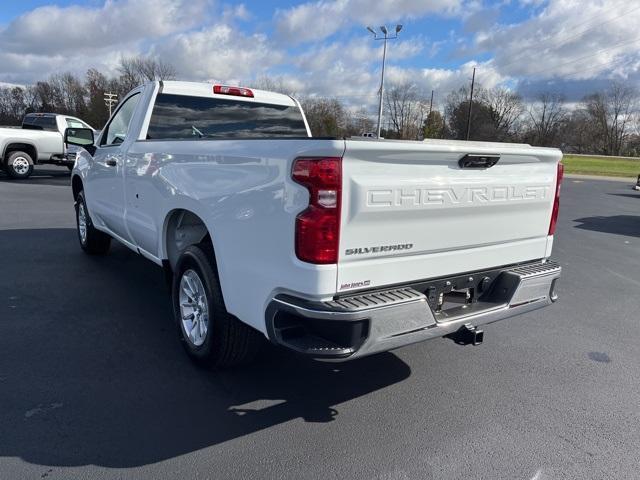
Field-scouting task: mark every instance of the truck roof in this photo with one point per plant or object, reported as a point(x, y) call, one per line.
point(202, 89)
point(42, 114)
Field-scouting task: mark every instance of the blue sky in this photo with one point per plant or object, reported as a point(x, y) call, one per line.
point(321, 47)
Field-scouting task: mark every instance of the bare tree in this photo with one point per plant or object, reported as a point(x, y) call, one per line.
point(273, 84)
point(135, 71)
point(405, 110)
point(546, 117)
point(359, 122)
point(71, 93)
point(326, 117)
point(12, 105)
point(505, 108)
point(611, 113)
point(96, 85)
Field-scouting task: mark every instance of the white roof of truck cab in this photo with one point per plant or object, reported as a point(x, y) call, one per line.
point(201, 89)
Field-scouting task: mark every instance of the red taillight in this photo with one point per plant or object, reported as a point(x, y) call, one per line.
point(236, 91)
point(318, 227)
point(556, 201)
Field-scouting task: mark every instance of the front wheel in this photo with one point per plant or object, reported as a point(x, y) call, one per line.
point(92, 240)
point(19, 165)
point(209, 334)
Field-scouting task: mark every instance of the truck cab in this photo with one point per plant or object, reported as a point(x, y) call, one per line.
point(51, 122)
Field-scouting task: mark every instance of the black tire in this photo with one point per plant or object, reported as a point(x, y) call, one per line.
point(94, 242)
point(19, 165)
point(228, 342)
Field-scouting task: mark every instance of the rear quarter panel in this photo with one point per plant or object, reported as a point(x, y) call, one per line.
point(242, 190)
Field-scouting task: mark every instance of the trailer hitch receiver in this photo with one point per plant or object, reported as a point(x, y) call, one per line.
point(468, 335)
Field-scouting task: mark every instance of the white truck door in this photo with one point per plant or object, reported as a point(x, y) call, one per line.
point(106, 176)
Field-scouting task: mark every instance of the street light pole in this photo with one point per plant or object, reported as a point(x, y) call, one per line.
point(384, 57)
point(386, 37)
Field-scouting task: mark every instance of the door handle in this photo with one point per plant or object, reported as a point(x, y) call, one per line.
point(111, 162)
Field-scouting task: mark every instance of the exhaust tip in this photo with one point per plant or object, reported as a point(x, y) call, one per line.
point(552, 291)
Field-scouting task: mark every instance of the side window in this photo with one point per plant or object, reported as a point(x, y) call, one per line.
point(116, 131)
point(49, 123)
point(72, 123)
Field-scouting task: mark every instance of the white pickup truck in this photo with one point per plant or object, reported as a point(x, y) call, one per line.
point(333, 248)
point(38, 141)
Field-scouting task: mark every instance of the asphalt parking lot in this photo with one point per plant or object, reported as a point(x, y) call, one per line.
point(94, 384)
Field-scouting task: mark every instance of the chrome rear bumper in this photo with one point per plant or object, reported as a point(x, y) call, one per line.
point(372, 322)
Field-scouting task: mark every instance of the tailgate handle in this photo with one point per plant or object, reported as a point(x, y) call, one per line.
point(471, 160)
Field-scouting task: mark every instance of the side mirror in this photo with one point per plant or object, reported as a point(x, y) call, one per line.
point(80, 137)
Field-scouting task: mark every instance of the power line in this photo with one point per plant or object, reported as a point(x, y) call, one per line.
point(621, 61)
point(568, 40)
point(593, 54)
point(597, 16)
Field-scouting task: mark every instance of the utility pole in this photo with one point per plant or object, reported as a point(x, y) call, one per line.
point(431, 104)
point(110, 99)
point(386, 37)
point(473, 82)
point(427, 124)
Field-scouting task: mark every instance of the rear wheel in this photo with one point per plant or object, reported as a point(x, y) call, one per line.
point(19, 165)
point(92, 240)
point(209, 334)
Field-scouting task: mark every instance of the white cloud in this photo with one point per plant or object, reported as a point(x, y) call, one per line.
point(320, 19)
point(54, 39)
point(357, 53)
point(443, 81)
point(218, 52)
point(236, 12)
point(54, 30)
point(570, 39)
point(26, 68)
point(574, 43)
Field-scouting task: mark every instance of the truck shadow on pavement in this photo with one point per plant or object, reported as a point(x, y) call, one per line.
point(92, 372)
point(628, 225)
point(42, 176)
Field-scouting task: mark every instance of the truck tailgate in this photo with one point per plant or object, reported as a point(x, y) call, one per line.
point(410, 212)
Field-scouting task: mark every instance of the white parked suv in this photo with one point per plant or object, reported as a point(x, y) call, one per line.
point(332, 248)
point(38, 141)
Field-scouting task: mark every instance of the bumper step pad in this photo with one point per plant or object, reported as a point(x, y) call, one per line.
point(374, 300)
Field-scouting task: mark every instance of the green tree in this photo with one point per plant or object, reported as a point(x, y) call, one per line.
point(434, 125)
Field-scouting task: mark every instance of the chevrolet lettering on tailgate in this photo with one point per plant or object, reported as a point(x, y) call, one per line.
point(450, 196)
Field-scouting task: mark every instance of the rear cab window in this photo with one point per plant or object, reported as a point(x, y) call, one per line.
point(183, 117)
point(40, 122)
